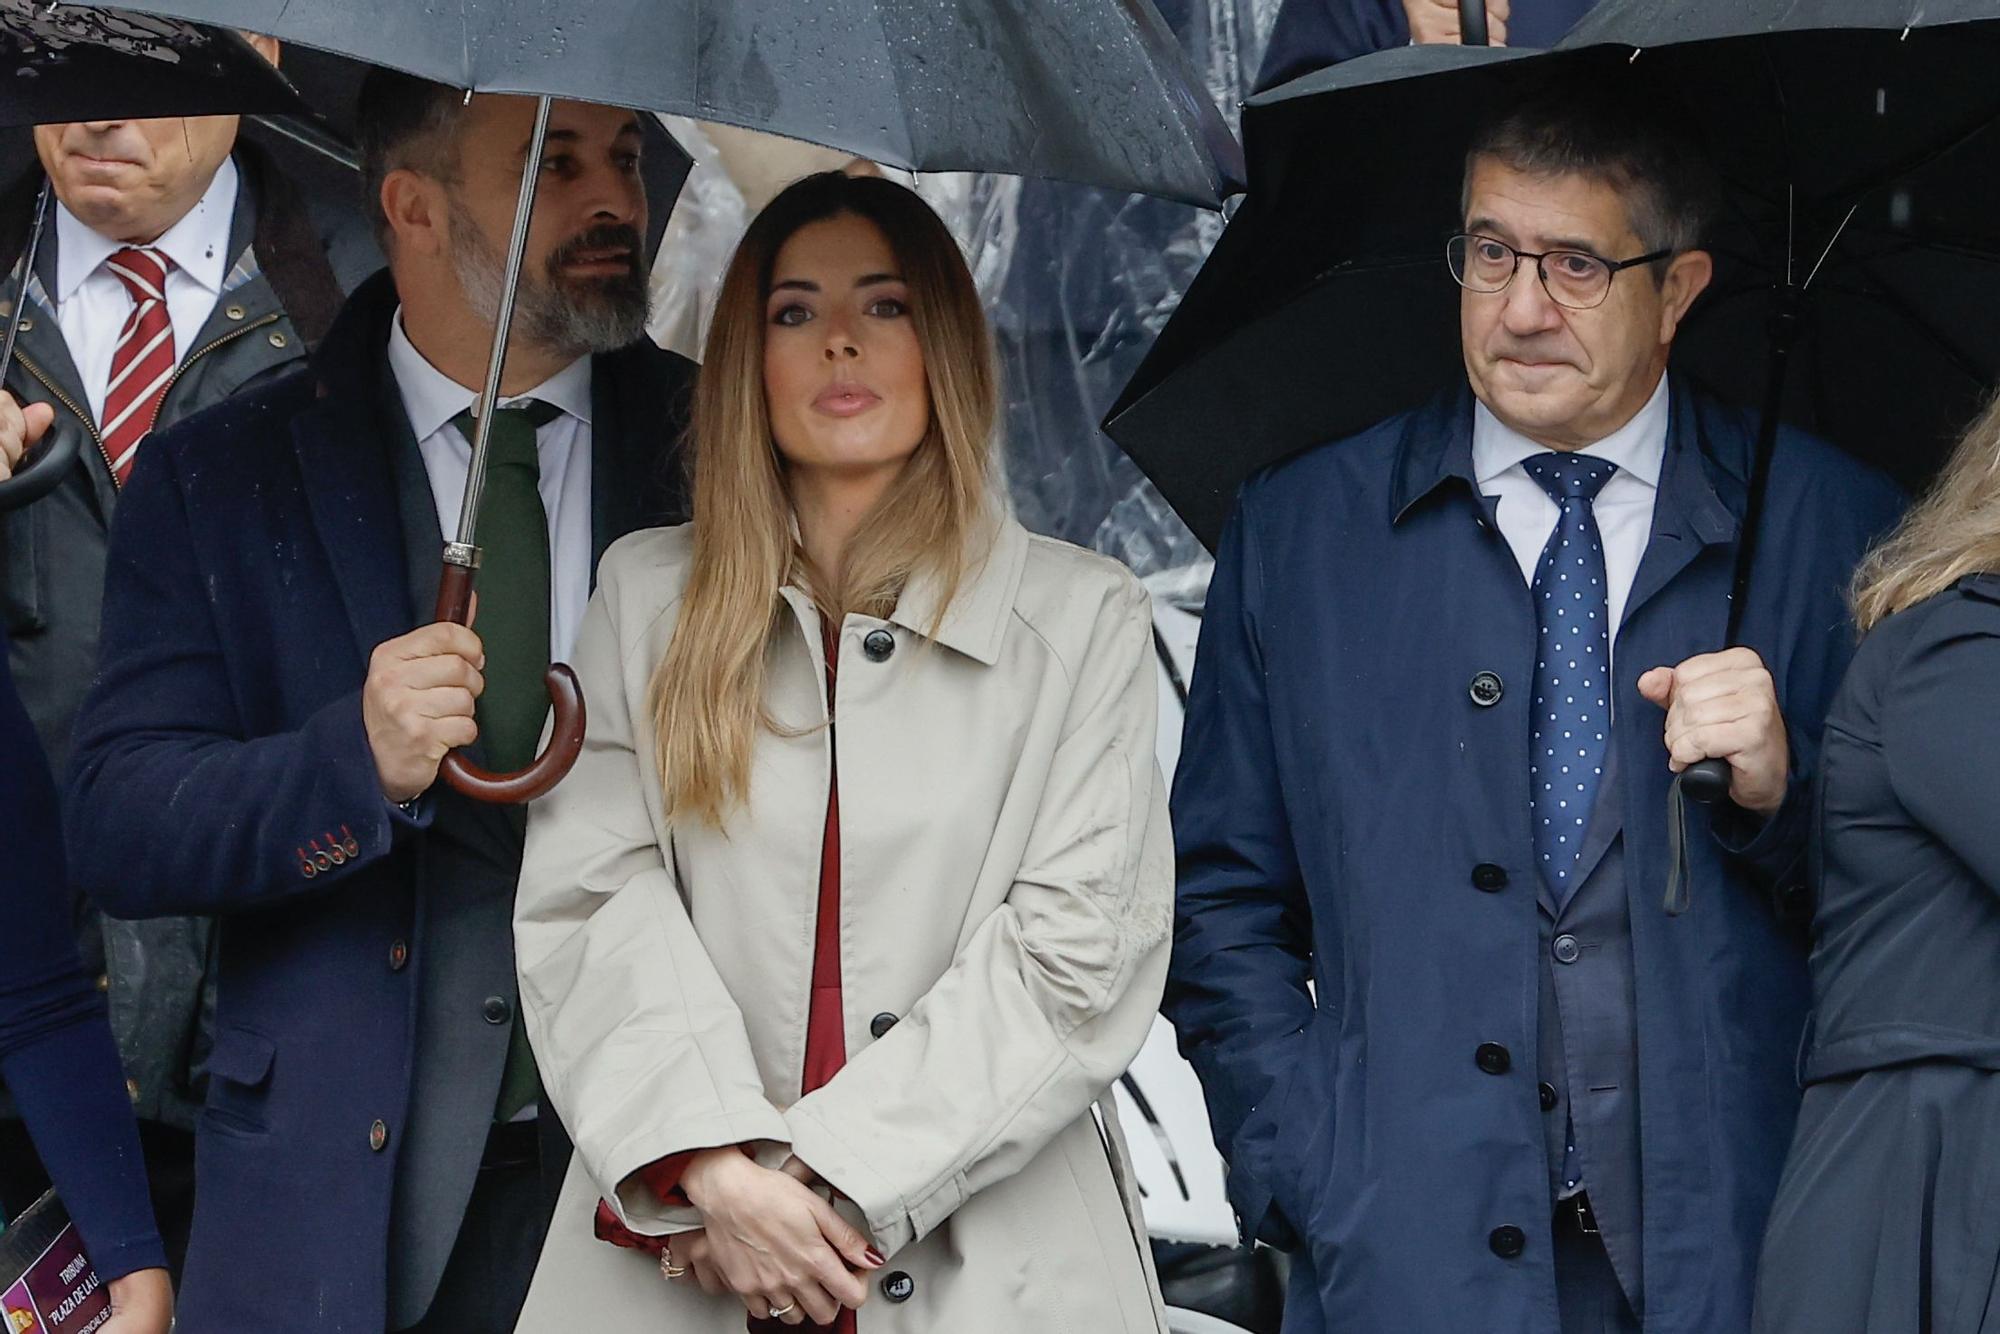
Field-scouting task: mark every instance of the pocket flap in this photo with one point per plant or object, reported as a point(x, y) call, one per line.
point(241, 1056)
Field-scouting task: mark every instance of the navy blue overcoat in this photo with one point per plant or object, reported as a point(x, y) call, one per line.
point(257, 560)
point(1344, 940)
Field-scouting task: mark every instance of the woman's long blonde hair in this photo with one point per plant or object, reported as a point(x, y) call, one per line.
point(1953, 532)
point(707, 692)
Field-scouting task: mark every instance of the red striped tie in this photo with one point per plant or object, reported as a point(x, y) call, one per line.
point(144, 360)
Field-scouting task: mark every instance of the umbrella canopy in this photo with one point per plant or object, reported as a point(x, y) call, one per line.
point(1858, 164)
point(81, 62)
point(1093, 91)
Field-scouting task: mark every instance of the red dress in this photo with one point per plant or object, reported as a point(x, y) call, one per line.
point(826, 1037)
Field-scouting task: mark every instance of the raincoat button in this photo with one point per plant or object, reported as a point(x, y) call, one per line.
point(1507, 1242)
point(496, 1009)
point(1548, 1092)
point(132, 1089)
point(278, 339)
point(27, 325)
point(899, 1287)
point(378, 1136)
point(1489, 878)
point(1486, 690)
point(881, 1024)
point(235, 312)
point(878, 645)
point(1566, 949)
point(1493, 1058)
point(104, 981)
point(399, 954)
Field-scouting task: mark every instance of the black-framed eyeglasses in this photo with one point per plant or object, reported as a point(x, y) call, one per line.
point(1575, 279)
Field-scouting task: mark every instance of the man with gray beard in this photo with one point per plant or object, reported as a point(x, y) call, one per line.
point(271, 708)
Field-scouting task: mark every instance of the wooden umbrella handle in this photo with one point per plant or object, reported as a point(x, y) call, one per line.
point(454, 604)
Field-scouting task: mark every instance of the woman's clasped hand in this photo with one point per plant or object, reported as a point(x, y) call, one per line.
point(771, 1240)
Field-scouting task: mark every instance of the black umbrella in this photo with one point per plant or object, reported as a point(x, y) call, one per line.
point(1858, 263)
point(1093, 91)
point(1862, 168)
point(1090, 90)
point(79, 62)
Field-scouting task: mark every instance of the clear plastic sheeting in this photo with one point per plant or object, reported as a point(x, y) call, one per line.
point(1077, 282)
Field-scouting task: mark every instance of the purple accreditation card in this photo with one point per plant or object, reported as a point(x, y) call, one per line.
point(50, 1287)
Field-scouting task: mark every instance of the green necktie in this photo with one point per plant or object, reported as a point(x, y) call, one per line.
point(513, 626)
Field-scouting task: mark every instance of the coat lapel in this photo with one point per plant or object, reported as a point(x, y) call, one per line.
point(1689, 515)
point(350, 491)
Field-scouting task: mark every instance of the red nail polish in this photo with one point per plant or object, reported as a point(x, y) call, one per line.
point(874, 1257)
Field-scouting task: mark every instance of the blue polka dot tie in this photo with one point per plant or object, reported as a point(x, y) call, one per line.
point(1572, 706)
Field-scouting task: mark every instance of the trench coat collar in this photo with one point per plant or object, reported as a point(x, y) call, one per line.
point(977, 618)
point(1700, 499)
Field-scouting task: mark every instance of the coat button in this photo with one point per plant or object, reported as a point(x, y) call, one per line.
point(1486, 690)
point(235, 312)
point(1548, 1092)
point(881, 1024)
point(1489, 878)
point(104, 981)
point(132, 1089)
point(878, 645)
point(899, 1287)
point(1566, 949)
point(378, 1136)
point(1507, 1242)
point(279, 340)
point(496, 1009)
point(399, 954)
point(1493, 1058)
point(28, 325)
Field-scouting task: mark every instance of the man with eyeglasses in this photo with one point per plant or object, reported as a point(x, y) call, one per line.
point(1456, 1051)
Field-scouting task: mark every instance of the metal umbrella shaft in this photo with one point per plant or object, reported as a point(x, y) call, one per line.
point(461, 556)
point(59, 451)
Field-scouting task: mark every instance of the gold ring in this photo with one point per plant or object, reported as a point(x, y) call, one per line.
point(786, 1309)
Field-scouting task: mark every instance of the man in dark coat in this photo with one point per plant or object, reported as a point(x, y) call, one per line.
point(271, 710)
point(248, 289)
point(1455, 1050)
point(1312, 34)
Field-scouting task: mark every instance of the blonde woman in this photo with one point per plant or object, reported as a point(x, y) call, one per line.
point(1888, 1216)
point(857, 902)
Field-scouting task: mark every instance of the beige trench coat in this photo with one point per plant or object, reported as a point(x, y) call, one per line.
point(1007, 892)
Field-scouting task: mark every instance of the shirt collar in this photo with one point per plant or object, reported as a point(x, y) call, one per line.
point(1638, 447)
point(431, 398)
point(198, 245)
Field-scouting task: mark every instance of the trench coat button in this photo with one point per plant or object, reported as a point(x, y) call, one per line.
point(1507, 1242)
point(878, 645)
point(235, 312)
point(278, 339)
point(1548, 1092)
point(378, 1136)
point(881, 1024)
point(899, 1287)
point(1489, 878)
point(399, 954)
point(1486, 690)
point(28, 325)
point(1493, 1058)
point(496, 1009)
point(1565, 948)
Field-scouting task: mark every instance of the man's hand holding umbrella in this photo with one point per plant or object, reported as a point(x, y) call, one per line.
point(1725, 706)
point(20, 430)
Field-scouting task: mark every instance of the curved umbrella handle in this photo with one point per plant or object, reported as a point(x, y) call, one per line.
point(1472, 23)
point(565, 698)
point(58, 451)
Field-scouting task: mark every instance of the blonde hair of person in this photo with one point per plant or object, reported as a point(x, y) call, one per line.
point(707, 691)
point(1954, 531)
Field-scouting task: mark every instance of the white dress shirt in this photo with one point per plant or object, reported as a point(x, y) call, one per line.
point(431, 399)
point(1624, 508)
point(92, 304)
